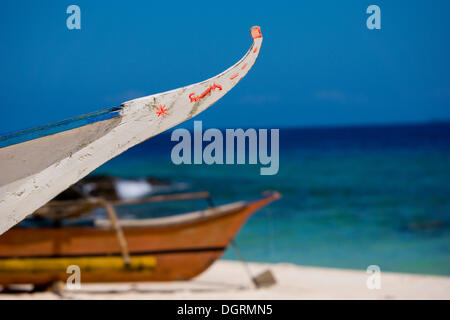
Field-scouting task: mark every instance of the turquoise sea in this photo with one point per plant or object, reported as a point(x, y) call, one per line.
point(352, 196)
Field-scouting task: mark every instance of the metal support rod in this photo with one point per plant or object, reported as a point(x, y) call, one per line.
point(247, 268)
point(210, 201)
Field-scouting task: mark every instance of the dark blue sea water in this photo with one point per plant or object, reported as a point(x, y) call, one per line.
point(352, 196)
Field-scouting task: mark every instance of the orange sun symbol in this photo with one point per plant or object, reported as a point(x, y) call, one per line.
point(161, 111)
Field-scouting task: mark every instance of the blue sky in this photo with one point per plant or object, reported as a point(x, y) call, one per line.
point(319, 64)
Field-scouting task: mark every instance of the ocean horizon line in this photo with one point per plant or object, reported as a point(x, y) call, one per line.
point(445, 122)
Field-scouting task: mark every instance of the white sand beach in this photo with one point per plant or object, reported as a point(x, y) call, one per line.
point(229, 280)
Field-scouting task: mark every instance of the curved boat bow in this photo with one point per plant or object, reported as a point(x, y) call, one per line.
point(35, 171)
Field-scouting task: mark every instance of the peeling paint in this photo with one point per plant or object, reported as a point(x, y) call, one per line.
point(52, 163)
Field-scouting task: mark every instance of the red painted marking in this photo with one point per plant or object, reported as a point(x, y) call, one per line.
point(161, 111)
point(243, 67)
point(256, 48)
point(234, 76)
point(256, 32)
point(194, 98)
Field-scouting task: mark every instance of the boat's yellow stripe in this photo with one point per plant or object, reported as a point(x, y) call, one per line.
point(86, 264)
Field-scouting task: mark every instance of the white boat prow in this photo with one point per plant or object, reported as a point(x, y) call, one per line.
point(33, 171)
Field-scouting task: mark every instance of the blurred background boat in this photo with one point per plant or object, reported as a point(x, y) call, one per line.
point(67, 231)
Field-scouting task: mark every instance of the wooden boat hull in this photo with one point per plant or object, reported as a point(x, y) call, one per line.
point(32, 172)
point(182, 249)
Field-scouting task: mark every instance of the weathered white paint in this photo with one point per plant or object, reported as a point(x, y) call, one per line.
point(35, 171)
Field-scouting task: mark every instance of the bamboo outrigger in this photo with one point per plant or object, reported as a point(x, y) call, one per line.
point(38, 164)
